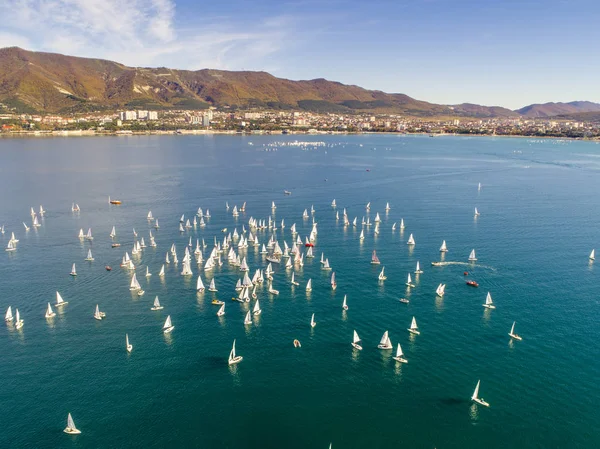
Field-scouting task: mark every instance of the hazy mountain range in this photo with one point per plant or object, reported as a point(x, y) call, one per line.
point(55, 83)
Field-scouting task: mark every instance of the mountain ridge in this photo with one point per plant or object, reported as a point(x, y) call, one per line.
point(55, 83)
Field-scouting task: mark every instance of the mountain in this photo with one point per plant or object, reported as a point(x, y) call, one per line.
point(55, 83)
point(554, 109)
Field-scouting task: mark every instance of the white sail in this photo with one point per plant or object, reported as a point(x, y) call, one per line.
point(413, 329)
point(199, 284)
point(593, 255)
point(355, 338)
point(399, 352)
point(476, 392)
point(128, 345)
point(162, 271)
point(59, 300)
point(89, 256)
point(472, 256)
point(312, 321)
point(409, 281)
point(134, 285)
point(49, 312)
point(168, 326)
point(488, 302)
point(73, 271)
point(156, 305)
point(248, 318)
point(256, 310)
point(476, 212)
point(212, 287)
point(344, 304)
point(411, 240)
point(418, 269)
point(362, 234)
point(233, 358)
point(385, 342)
point(382, 276)
point(443, 248)
point(9, 316)
point(97, 314)
point(309, 285)
point(113, 233)
point(71, 429)
point(221, 311)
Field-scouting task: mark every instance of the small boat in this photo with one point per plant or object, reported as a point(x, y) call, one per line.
point(233, 359)
point(60, 301)
point(309, 285)
point(221, 310)
point(375, 259)
point(297, 344)
point(472, 283)
point(344, 305)
point(18, 320)
point(488, 302)
point(168, 326)
point(404, 300)
point(9, 316)
point(128, 345)
point(413, 329)
point(117, 202)
point(49, 312)
point(398, 357)
point(97, 314)
point(472, 257)
point(156, 305)
point(73, 271)
point(256, 310)
point(476, 398)
point(312, 321)
point(593, 255)
point(385, 342)
point(287, 192)
point(71, 429)
point(382, 276)
point(356, 341)
point(511, 333)
point(115, 245)
point(217, 302)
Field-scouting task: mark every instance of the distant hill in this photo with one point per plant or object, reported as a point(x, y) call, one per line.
point(49, 82)
point(554, 109)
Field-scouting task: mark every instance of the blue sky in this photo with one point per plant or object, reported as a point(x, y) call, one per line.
point(493, 52)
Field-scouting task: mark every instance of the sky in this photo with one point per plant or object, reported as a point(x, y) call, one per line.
point(492, 52)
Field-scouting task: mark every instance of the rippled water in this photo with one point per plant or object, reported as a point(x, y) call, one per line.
point(539, 221)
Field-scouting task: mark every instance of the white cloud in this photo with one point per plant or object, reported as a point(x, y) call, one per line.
point(140, 33)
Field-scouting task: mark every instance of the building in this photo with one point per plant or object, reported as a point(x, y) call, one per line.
point(152, 115)
point(206, 119)
point(142, 115)
point(127, 115)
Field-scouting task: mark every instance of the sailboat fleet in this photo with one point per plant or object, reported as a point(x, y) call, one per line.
point(232, 250)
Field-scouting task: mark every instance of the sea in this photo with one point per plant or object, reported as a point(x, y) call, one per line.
point(539, 220)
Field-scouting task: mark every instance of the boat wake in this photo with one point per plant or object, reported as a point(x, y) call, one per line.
point(470, 264)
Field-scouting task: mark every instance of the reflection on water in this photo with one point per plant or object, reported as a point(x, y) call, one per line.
point(474, 412)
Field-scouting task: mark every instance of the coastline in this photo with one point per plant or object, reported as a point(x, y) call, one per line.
point(184, 132)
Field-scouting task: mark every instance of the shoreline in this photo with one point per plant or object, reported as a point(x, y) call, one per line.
point(185, 132)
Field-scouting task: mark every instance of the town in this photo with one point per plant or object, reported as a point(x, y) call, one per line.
point(267, 121)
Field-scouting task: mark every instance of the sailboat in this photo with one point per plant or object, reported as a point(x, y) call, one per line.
point(402, 224)
point(312, 320)
point(293, 281)
point(368, 206)
point(71, 429)
point(9, 316)
point(134, 285)
point(398, 357)
point(443, 248)
point(411, 240)
point(472, 256)
point(476, 398)
point(49, 312)
point(113, 233)
point(440, 290)
point(156, 305)
point(476, 212)
point(168, 326)
point(212, 287)
point(418, 269)
point(36, 223)
point(413, 329)
point(333, 283)
point(387, 207)
point(512, 332)
point(256, 310)
point(326, 265)
point(18, 320)
point(385, 342)
point(344, 304)
point(10, 246)
point(221, 310)
point(98, 314)
point(42, 211)
point(309, 285)
point(409, 283)
point(75, 208)
point(377, 218)
point(356, 341)
point(382, 276)
point(89, 257)
point(88, 236)
point(479, 187)
point(128, 345)
point(73, 271)
point(162, 271)
point(375, 259)
point(26, 227)
point(233, 359)
point(148, 274)
point(60, 301)
point(488, 302)
point(593, 255)
point(362, 234)
point(200, 284)
point(248, 318)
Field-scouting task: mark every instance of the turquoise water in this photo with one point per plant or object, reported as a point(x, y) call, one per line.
point(539, 220)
